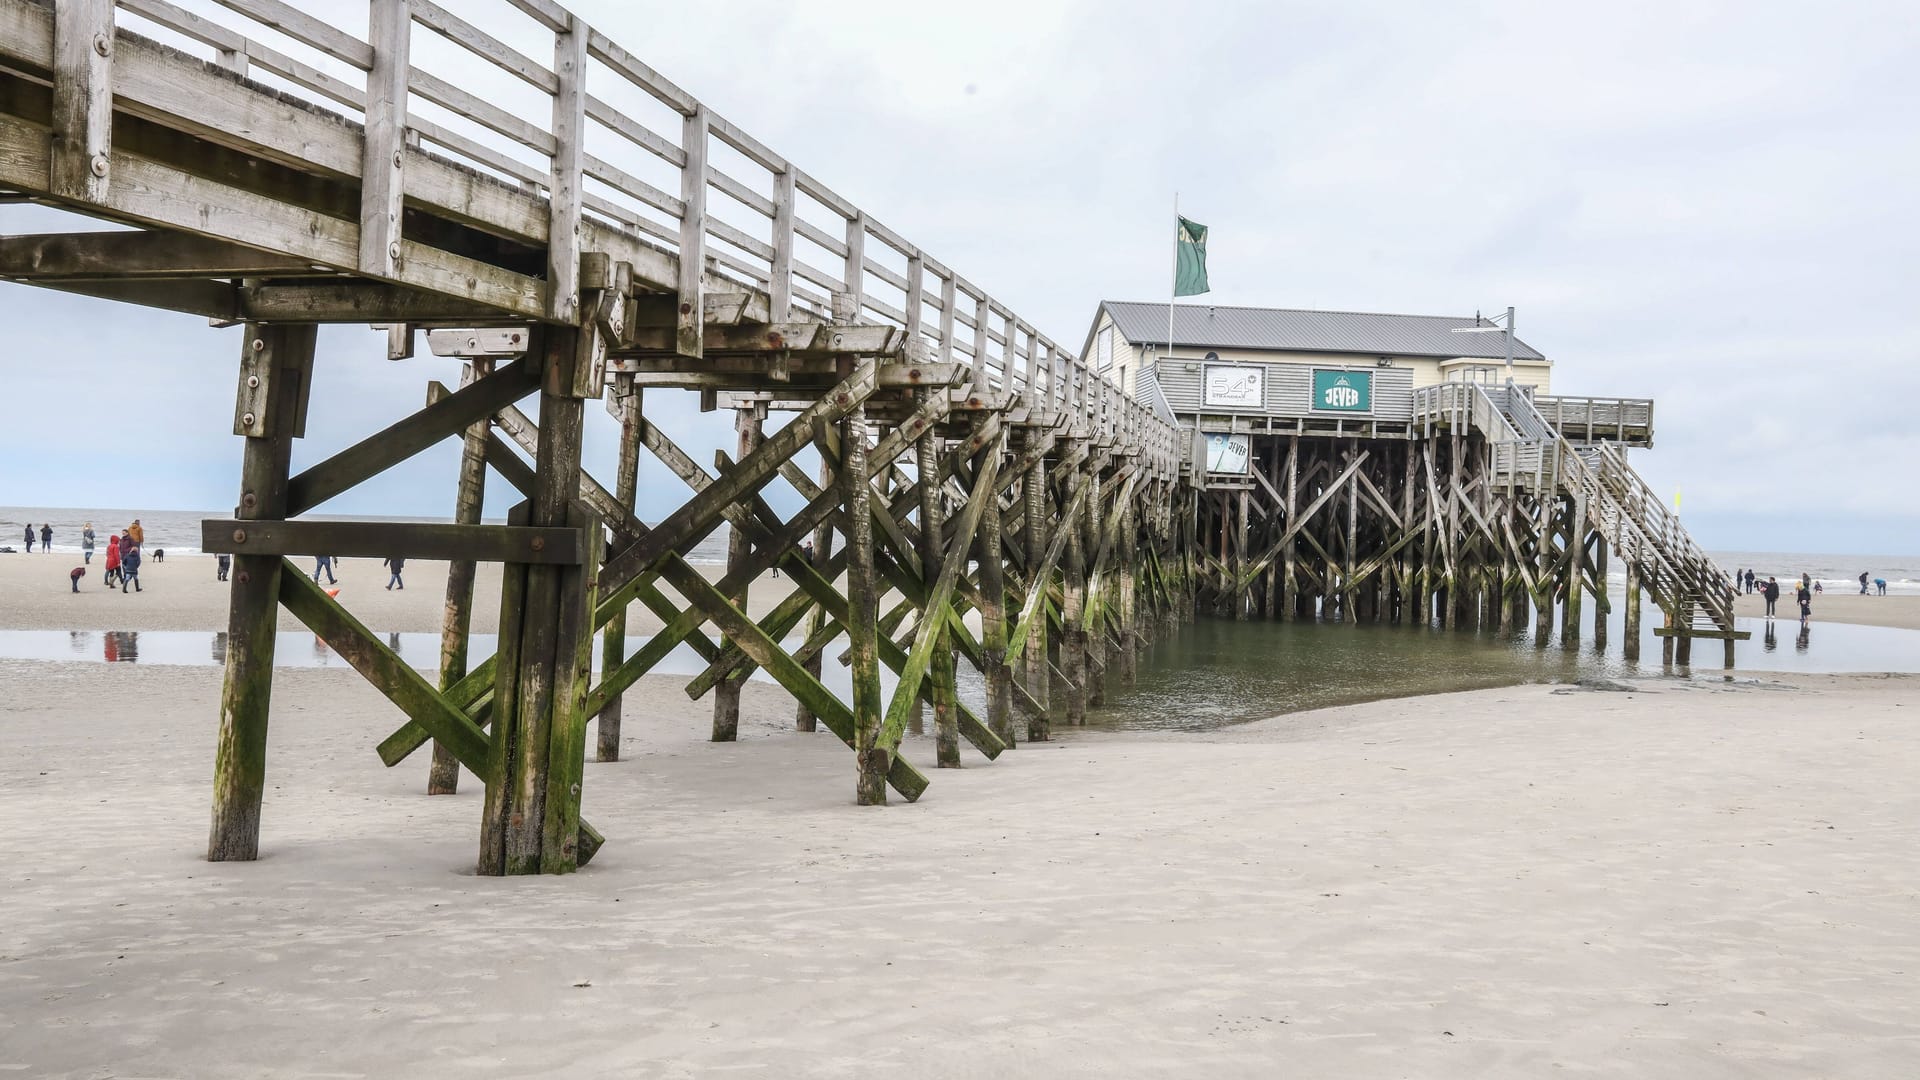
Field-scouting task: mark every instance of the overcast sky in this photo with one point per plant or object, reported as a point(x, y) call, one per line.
point(1708, 204)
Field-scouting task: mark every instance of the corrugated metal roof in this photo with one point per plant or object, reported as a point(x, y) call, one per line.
point(1217, 327)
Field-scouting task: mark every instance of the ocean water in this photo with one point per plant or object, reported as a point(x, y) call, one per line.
point(1835, 571)
point(178, 531)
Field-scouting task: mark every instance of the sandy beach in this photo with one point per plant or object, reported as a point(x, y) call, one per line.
point(1899, 612)
point(1696, 879)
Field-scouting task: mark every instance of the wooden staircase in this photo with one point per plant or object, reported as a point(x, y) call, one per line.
point(1530, 453)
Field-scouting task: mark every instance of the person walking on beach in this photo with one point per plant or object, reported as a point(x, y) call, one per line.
point(1772, 594)
point(130, 568)
point(221, 564)
point(86, 544)
point(395, 563)
point(1863, 577)
point(1863, 583)
point(112, 576)
point(323, 564)
point(139, 534)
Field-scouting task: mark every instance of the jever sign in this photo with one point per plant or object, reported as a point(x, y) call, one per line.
point(1342, 391)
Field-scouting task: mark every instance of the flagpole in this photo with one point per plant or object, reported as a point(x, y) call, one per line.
point(1173, 287)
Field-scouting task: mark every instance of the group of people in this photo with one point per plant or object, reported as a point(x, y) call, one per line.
point(324, 564)
point(1879, 584)
point(124, 556)
point(46, 538)
point(1769, 590)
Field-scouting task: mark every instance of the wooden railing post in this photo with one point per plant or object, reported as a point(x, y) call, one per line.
point(382, 161)
point(566, 193)
point(82, 125)
point(690, 335)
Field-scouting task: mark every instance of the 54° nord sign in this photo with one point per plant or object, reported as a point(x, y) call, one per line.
point(1342, 391)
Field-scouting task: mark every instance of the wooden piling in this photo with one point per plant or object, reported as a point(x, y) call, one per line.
point(1575, 573)
point(443, 774)
point(276, 369)
point(1630, 645)
point(1035, 671)
point(863, 630)
point(613, 637)
point(749, 421)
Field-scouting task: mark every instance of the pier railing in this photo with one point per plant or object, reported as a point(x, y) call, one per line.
point(1599, 419)
point(583, 149)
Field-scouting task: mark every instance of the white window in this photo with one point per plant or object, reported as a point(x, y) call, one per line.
point(1103, 348)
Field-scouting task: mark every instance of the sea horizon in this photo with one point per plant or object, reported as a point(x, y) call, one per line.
point(178, 531)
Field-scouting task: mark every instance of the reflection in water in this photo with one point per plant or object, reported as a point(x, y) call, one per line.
point(1806, 636)
point(122, 646)
point(393, 642)
point(1207, 674)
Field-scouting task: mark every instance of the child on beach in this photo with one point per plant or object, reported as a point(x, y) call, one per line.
point(130, 568)
point(75, 575)
point(1805, 596)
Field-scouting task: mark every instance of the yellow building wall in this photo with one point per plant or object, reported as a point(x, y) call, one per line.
point(1426, 370)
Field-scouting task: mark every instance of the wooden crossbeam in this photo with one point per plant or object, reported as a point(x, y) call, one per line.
point(699, 515)
point(406, 688)
point(146, 255)
point(441, 420)
point(907, 690)
point(801, 338)
point(1298, 527)
point(380, 539)
point(708, 602)
point(1036, 593)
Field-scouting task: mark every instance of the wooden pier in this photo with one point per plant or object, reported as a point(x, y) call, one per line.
point(972, 492)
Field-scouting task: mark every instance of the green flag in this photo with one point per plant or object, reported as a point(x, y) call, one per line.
point(1190, 259)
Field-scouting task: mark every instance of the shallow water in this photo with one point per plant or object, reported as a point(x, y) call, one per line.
point(1217, 672)
point(1209, 674)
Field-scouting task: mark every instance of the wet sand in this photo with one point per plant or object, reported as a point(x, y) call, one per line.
point(1899, 612)
point(185, 593)
point(1696, 880)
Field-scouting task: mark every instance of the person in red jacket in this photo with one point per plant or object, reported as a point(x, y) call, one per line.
point(112, 577)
